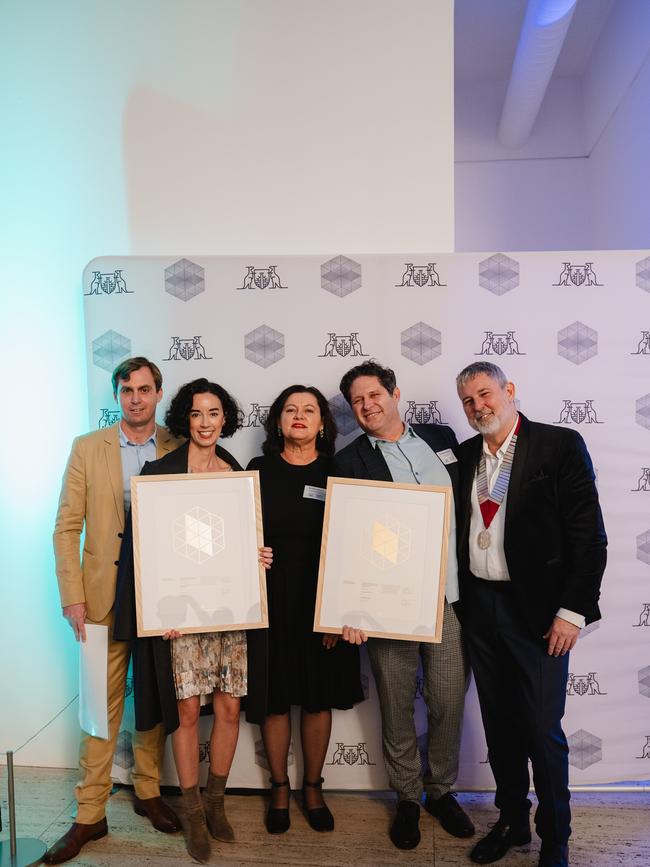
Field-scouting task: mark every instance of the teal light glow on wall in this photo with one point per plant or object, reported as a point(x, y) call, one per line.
point(63, 199)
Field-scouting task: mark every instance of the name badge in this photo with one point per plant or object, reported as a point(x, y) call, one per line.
point(447, 456)
point(313, 493)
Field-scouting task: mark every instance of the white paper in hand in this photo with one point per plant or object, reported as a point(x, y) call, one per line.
point(93, 663)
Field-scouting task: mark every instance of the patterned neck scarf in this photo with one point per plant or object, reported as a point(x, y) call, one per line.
point(489, 502)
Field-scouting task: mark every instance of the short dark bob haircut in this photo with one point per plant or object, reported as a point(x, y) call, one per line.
point(177, 417)
point(369, 368)
point(123, 371)
point(274, 442)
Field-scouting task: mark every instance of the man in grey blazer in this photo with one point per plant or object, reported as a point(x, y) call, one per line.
point(390, 450)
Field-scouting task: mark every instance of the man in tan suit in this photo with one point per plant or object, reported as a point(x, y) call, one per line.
point(95, 495)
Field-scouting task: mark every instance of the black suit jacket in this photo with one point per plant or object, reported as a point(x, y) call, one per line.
point(555, 542)
point(154, 693)
point(359, 460)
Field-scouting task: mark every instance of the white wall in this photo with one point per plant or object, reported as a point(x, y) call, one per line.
point(536, 197)
point(523, 205)
point(581, 181)
point(617, 98)
point(216, 126)
point(618, 56)
point(297, 126)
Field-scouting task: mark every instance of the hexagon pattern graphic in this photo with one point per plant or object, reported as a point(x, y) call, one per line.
point(643, 547)
point(498, 274)
point(644, 681)
point(340, 276)
point(421, 343)
point(109, 349)
point(184, 280)
point(585, 749)
point(643, 411)
point(198, 535)
point(643, 274)
point(577, 342)
point(343, 415)
point(387, 543)
point(123, 755)
point(264, 346)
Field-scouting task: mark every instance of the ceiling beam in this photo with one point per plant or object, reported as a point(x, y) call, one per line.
point(542, 35)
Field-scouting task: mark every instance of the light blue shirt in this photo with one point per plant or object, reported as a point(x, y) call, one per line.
point(134, 456)
point(410, 460)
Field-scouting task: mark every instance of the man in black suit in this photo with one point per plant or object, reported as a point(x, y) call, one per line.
point(532, 552)
point(390, 450)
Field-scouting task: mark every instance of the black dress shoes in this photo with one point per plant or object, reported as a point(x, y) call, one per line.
point(405, 831)
point(74, 840)
point(277, 818)
point(319, 818)
point(504, 834)
point(162, 817)
point(451, 815)
point(553, 856)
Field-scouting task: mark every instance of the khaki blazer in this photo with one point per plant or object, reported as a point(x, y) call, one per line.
point(92, 495)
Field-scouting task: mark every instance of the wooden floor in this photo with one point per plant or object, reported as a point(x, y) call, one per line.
point(608, 830)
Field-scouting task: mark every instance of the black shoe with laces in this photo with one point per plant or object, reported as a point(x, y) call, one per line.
point(405, 831)
point(505, 833)
point(450, 814)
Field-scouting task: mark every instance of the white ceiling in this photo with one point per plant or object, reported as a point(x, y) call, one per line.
point(487, 31)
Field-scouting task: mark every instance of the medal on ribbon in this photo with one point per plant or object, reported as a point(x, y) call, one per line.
point(489, 502)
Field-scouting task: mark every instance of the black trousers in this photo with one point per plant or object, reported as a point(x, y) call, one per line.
point(522, 693)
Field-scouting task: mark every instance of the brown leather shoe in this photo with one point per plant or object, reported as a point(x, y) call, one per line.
point(74, 840)
point(162, 817)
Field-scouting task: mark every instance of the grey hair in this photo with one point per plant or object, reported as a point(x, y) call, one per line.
point(479, 367)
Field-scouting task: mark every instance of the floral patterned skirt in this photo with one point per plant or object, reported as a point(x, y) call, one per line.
point(205, 661)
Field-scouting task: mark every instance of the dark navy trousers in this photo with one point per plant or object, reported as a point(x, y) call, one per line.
point(522, 693)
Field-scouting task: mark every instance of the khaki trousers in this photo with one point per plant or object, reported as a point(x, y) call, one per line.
point(96, 755)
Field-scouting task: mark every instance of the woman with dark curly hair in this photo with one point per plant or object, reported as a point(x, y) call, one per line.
point(307, 669)
point(172, 674)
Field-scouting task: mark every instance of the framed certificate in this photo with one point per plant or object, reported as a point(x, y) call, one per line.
point(383, 559)
point(195, 552)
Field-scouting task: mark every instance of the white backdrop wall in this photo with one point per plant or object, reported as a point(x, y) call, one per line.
point(221, 125)
point(571, 329)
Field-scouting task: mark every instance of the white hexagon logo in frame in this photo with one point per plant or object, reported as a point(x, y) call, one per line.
point(198, 535)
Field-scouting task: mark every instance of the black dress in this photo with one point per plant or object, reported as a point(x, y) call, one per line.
point(300, 670)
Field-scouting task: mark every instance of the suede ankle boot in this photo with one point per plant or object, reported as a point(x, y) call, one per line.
point(197, 840)
point(215, 813)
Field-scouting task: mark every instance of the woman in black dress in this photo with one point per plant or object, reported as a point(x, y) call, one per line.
point(314, 671)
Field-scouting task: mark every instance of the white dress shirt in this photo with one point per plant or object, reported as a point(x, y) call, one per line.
point(490, 564)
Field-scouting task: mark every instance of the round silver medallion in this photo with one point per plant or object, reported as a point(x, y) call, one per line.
point(484, 539)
